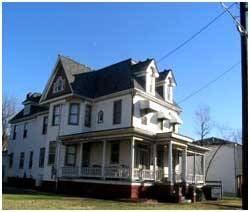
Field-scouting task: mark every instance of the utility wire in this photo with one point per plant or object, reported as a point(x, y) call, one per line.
point(209, 83)
point(193, 36)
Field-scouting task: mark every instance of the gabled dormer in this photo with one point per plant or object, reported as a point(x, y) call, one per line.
point(146, 73)
point(62, 77)
point(165, 84)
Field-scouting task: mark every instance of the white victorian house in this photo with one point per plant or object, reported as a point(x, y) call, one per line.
point(112, 132)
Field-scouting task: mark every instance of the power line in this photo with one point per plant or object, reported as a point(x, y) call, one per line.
point(209, 83)
point(193, 36)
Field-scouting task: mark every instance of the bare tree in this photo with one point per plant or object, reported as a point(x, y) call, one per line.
point(203, 121)
point(229, 133)
point(9, 107)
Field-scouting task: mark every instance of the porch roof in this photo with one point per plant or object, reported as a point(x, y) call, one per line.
point(129, 132)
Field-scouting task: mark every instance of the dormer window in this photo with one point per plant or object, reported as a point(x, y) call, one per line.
point(58, 85)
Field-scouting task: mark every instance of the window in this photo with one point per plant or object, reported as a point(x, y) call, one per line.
point(14, 133)
point(87, 121)
point(25, 130)
point(11, 155)
point(70, 159)
point(31, 160)
point(160, 154)
point(21, 161)
point(168, 92)
point(142, 156)
point(144, 120)
point(45, 124)
point(100, 116)
point(115, 150)
point(56, 115)
point(161, 124)
point(85, 154)
point(41, 157)
point(117, 112)
point(74, 113)
point(52, 153)
point(58, 85)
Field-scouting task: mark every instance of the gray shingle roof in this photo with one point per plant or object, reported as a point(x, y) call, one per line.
point(212, 141)
point(34, 109)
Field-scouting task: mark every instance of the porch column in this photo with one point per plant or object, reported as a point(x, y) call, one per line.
point(80, 160)
point(203, 167)
point(103, 157)
point(170, 163)
point(132, 156)
point(184, 165)
point(155, 160)
point(194, 170)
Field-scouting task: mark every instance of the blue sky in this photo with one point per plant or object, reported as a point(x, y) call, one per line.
point(99, 34)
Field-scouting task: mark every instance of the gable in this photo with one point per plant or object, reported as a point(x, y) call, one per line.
point(59, 78)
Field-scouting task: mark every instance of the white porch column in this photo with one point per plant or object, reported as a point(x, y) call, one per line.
point(132, 156)
point(170, 163)
point(155, 159)
point(103, 158)
point(203, 168)
point(194, 170)
point(184, 165)
point(80, 160)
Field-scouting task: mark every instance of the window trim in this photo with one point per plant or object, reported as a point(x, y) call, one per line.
point(116, 111)
point(31, 159)
point(21, 160)
point(118, 152)
point(10, 164)
point(14, 133)
point(66, 155)
point(99, 116)
point(49, 153)
point(25, 130)
point(41, 162)
point(56, 115)
point(88, 124)
point(45, 129)
point(77, 114)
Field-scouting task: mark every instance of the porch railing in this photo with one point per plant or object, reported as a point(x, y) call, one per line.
point(125, 173)
point(91, 172)
point(117, 172)
point(70, 171)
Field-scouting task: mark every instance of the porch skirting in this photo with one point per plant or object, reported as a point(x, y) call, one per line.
point(114, 190)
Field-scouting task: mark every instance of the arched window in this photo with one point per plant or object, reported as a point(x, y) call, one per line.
point(58, 85)
point(100, 116)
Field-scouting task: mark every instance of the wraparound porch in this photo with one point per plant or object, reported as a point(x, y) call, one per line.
point(133, 158)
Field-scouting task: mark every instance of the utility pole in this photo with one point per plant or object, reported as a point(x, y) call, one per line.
point(244, 70)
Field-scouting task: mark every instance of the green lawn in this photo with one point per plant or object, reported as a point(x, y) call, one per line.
point(20, 199)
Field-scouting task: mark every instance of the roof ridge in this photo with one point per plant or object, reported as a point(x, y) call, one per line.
point(74, 61)
point(105, 67)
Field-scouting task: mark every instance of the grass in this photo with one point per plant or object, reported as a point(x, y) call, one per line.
point(27, 199)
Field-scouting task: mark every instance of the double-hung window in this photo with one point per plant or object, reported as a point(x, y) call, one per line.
point(87, 121)
point(21, 161)
point(31, 160)
point(52, 153)
point(11, 155)
point(70, 159)
point(45, 124)
point(74, 110)
point(56, 115)
point(14, 133)
point(41, 157)
point(117, 112)
point(115, 153)
point(25, 130)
